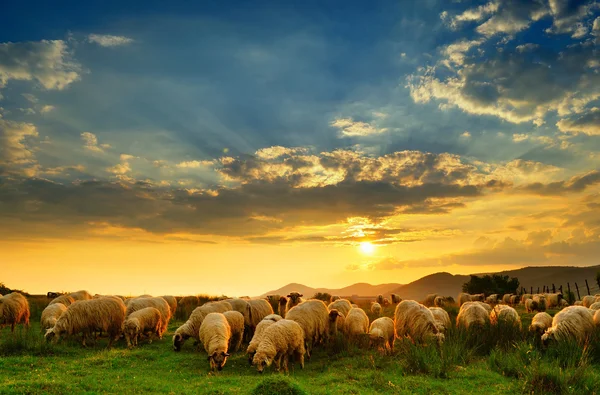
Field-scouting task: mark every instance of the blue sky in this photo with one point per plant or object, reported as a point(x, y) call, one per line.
point(304, 123)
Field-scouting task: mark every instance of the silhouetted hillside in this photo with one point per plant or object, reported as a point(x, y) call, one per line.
point(360, 289)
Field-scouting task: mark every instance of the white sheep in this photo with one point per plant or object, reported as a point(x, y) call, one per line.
point(356, 323)
point(379, 299)
point(595, 306)
point(294, 299)
point(430, 300)
point(465, 297)
point(578, 303)
point(506, 298)
point(414, 320)
point(14, 309)
point(157, 302)
point(381, 334)
point(553, 299)
point(333, 298)
point(88, 316)
point(259, 309)
point(441, 317)
point(540, 322)
point(573, 322)
point(192, 326)
point(50, 315)
point(172, 302)
point(341, 305)
point(492, 299)
point(439, 301)
point(376, 308)
point(146, 321)
point(280, 341)
point(81, 295)
point(395, 298)
point(472, 315)
point(257, 338)
point(215, 334)
point(505, 314)
point(524, 297)
point(63, 299)
point(597, 318)
point(588, 300)
point(281, 307)
point(541, 302)
point(236, 324)
point(313, 318)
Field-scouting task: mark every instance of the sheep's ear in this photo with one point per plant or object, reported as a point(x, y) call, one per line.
point(289, 295)
point(225, 354)
point(300, 295)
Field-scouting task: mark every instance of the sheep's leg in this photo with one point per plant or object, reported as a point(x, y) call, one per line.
point(285, 363)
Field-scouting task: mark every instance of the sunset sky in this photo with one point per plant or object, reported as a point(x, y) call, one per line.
point(235, 147)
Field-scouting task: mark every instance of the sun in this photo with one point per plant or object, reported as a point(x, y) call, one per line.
point(367, 248)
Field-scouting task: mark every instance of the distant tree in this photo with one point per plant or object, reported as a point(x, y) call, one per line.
point(4, 290)
point(494, 284)
point(324, 296)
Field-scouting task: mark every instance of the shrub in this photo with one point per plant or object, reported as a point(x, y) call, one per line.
point(277, 386)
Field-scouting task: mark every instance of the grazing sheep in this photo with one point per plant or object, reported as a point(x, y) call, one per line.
point(588, 300)
point(14, 309)
point(379, 299)
point(563, 303)
point(313, 317)
point(354, 305)
point(541, 302)
point(341, 305)
point(441, 317)
point(50, 315)
point(381, 334)
point(81, 295)
point(282, 304)
point(486, 306)
point(506, 315)
point(280, 341)
point(573, 322)
point(215, 334)
point(578, 303)
point(540, 322)
point(63, 299)
point(439, 301)
point(189, 301)
point(395, 298)
point(472, 315)
point(356, 324)
point(243, 307)
point(172, 302)
point(191, 327)
point(506, 298)
point(273, 317)
point(530, 305)
point(257, 338)
point(235, 319)
point(333, 298)
point(465, 297)
point(336, 322)
point(416, 321)
point(259, 309)
point(430, 300)
point(376, 308)
point(525, 297)
point(386, 302)
point(595, 306)
point(157, 302)
point(514, 300)
point(553, 300)
point(492, 299)
point(294, 299)
point(597, 318)
point(88, 316)
point(146, 321)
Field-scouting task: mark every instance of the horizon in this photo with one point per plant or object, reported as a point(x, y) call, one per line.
point(204, 148)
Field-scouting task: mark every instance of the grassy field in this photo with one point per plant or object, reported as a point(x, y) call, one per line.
point(499, 361)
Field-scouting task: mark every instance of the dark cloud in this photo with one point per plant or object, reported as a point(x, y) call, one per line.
point(574, 184)
point(588, 123)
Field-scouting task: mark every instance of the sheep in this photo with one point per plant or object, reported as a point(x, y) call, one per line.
point(159, 303)
point(386, 302)
point(341, 305)
point(313, 317)
point(595, 306)
point(395, 298)
point(376, 308)
point(414, 320)
point(235, 319)
point(514, 300)
point(441, 317)
point(439, 301)
point(50, 315)
point(281, 340)
point(530, 305)
point(215, 334)
point(430, 300)
point(14, 309)
point(336, 322)
point(563, 303)
point(281, 307)
point(588, 300)
point(465, 297)
point(492, 299)
point(486, 306)
point(243, 307)
point(356, 323)
point(525, 297)
point(354, 305)
point(505, 314)
point(189, 301)
point(294, 299)
point(573, 322)
point(87, 316)
point(144, 321)
point(578, 303)
point(553, 300)
point(333, 298)
point(259, 309)
point(381, 334)
point(258, 336)
point(192, 326)
point(81, 295)
point(506, 298)
point(172, 302)
point(540, 322)
point(472, 315)
point(273, 317)
point(379, 299)
point(63, 299)
point(597, 318)
point(541, 302)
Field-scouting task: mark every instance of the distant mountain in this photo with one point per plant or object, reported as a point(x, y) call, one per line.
point(451, 285)
point(360, 289)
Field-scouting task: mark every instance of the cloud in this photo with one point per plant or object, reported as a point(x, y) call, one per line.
point(576, 183)
point(106, 40)
point(587, 123)
point(122, 168)
point(30, 98)
point(192, 164)
point(47, 62)
point(350, 128)
point(47, 108)
point(90, 142)
point(13, 146)
point(568, 14)
point(278, 151)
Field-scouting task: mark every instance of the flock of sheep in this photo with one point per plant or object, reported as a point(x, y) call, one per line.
point(300, 325)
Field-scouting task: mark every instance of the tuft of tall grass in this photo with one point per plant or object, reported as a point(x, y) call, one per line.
point(24, 341)
point(277, 385)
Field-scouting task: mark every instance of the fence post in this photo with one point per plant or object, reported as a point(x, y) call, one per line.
point(538, 290)
point(577, 288)
point(553, 288)
point(588, 287)
point(543, 289)
point(560, 289)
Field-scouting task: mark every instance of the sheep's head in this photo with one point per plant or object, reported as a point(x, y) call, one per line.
point(376, 337)
point(295, 297)
point(217, 360)
point(262, 361)
point(52, 335)
point(131, 328)
point(333, 315)
point(548, 337)
point(178, 340)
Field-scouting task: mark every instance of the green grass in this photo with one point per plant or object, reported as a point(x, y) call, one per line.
point(503, 363)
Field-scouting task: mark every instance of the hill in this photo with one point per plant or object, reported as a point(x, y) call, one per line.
point(360, 289)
